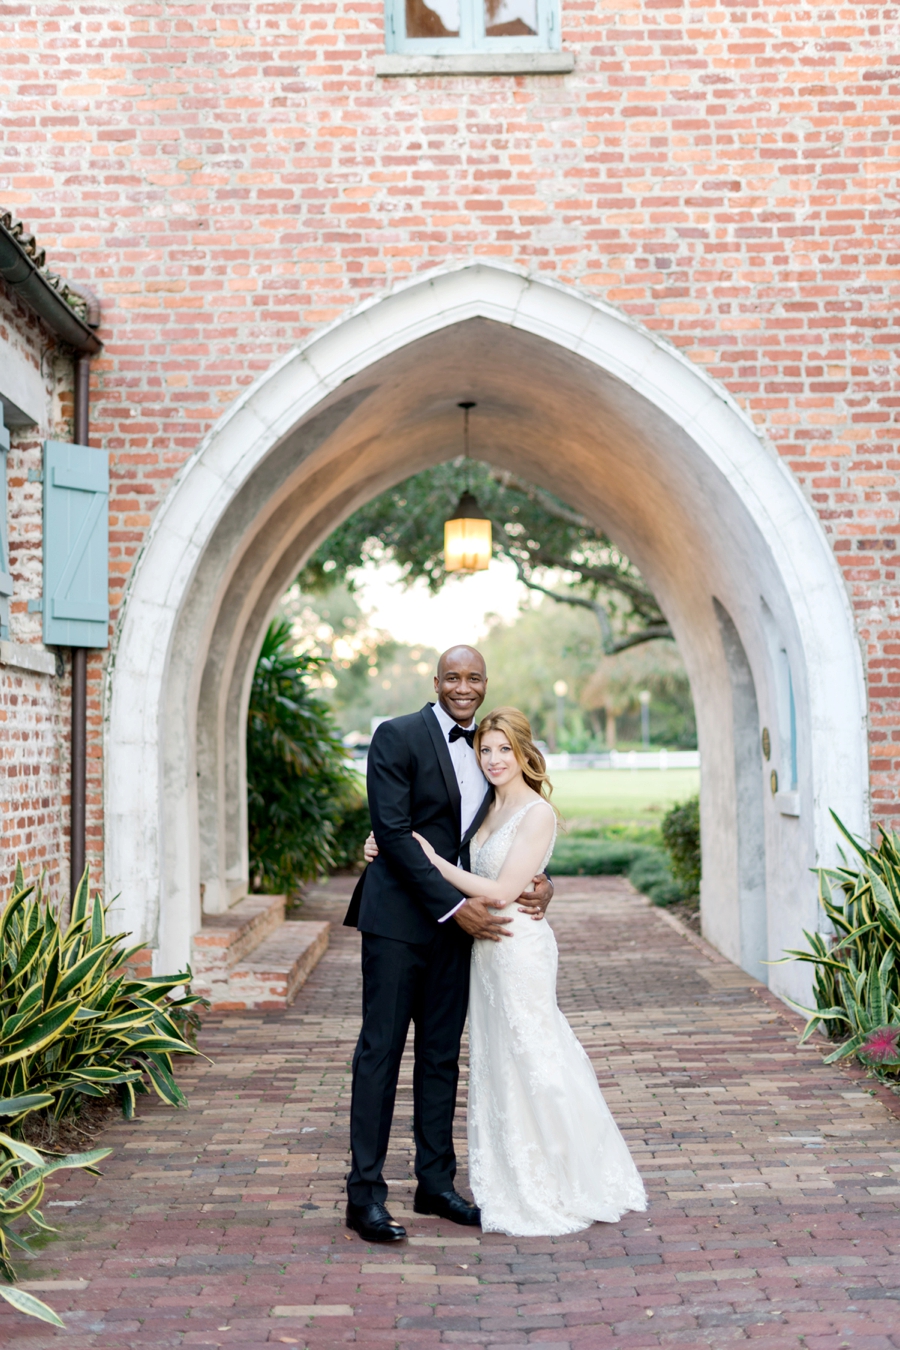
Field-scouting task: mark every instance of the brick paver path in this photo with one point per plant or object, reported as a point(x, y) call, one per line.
point(773, 1181)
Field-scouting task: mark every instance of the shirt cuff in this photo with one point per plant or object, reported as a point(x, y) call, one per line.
point(451, 912)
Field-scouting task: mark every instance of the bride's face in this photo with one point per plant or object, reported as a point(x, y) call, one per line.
point(498, 761)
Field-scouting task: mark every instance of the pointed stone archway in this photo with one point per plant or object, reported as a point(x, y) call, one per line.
point(573, 396)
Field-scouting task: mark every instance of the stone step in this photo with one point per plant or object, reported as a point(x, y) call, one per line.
point(225, 939)
point(269, 976)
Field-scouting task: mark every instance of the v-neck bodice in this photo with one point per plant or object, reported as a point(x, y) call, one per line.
point(488, 858)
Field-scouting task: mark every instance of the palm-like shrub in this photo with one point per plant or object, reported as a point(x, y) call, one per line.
point(857, 981)
point(23, 1172)
point(74, 1022)
point(306, 812)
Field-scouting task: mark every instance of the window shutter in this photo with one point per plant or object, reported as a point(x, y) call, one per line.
point(6, 586)
point(76, 545)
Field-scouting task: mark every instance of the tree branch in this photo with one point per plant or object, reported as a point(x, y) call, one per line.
point(610, 644)
point(549, 504)
point(607, 641)
point(604, 575)
point(649, 634)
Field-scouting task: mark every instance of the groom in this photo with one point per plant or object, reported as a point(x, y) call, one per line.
point(417, 933)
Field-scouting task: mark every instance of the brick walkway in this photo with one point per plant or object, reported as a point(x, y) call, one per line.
point(773, 1183)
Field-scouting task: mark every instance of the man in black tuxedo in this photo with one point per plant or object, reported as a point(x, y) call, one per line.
point(417, 933)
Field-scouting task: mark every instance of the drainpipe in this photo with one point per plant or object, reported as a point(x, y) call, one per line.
point(78, 790)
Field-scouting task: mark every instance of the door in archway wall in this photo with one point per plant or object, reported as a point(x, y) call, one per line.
point(749, 797)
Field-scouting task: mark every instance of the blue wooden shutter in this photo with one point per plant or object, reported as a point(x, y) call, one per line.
point(6, 586)
point(76, 545)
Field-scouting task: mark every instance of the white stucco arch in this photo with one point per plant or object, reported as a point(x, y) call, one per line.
point(580, 399)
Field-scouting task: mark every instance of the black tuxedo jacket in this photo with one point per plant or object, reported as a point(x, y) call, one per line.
point(411, 786)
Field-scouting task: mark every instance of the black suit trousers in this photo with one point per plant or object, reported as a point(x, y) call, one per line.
point(403, 982)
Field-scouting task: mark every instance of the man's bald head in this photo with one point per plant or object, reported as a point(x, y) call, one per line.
point(461, 682)
point(463, 654)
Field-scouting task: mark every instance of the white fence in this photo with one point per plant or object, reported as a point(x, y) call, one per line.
point(611, 759)
point(628, 759)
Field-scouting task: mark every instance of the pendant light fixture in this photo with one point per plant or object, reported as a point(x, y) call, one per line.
point(467, 537)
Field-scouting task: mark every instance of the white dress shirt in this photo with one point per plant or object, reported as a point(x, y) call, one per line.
point(471, 781)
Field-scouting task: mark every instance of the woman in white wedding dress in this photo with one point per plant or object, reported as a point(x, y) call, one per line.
point(545, 1155)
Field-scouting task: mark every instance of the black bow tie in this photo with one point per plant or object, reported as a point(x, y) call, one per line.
point(457, 733)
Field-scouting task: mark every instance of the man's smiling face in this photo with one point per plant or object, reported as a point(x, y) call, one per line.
point(461, 683)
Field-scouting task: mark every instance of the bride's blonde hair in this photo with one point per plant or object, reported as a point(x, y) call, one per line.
point(516, 727)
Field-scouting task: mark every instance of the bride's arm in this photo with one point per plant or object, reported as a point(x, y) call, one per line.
point(519, 867)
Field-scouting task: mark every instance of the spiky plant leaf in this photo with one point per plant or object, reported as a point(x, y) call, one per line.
point(20, 1106)
point(23, 1302)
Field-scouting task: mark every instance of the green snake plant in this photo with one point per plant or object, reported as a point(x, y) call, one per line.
point(856, 984)
point(74, 1020)
point(23, 1172)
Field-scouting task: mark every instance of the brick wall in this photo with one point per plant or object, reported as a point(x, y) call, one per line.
point(34, 708)
point(228, 177)
point(33, 779)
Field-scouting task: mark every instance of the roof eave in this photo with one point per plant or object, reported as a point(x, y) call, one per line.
point(20, 272)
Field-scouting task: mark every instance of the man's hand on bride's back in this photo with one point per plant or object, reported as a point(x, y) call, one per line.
point(535, 902)
point(476, 919)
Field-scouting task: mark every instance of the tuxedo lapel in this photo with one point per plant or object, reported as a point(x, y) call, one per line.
point(442, 750)
point(479, 816)
point(465, 847)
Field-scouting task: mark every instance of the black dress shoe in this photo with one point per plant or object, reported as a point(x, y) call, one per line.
point(447, 1205)
point(373, 1223)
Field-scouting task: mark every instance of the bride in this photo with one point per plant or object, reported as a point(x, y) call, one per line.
point(545, 1155)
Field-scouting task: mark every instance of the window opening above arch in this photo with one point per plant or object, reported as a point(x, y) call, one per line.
point(445, 27)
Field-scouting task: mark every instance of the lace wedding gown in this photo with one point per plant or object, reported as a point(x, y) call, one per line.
point(545, 1155)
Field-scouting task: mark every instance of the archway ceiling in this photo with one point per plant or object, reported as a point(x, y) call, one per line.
point(544, 413)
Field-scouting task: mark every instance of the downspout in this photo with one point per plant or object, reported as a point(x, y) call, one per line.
point(78, 789)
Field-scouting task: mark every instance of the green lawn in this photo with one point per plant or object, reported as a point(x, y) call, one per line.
point(620, 796)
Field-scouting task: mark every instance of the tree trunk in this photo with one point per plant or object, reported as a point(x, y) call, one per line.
point(610, 730)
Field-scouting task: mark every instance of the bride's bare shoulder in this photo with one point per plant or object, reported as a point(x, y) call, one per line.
point(547, 816)
point(538, 797)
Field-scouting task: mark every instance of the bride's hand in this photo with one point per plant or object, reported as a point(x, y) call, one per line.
point(427, 849)
point(370, 848)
